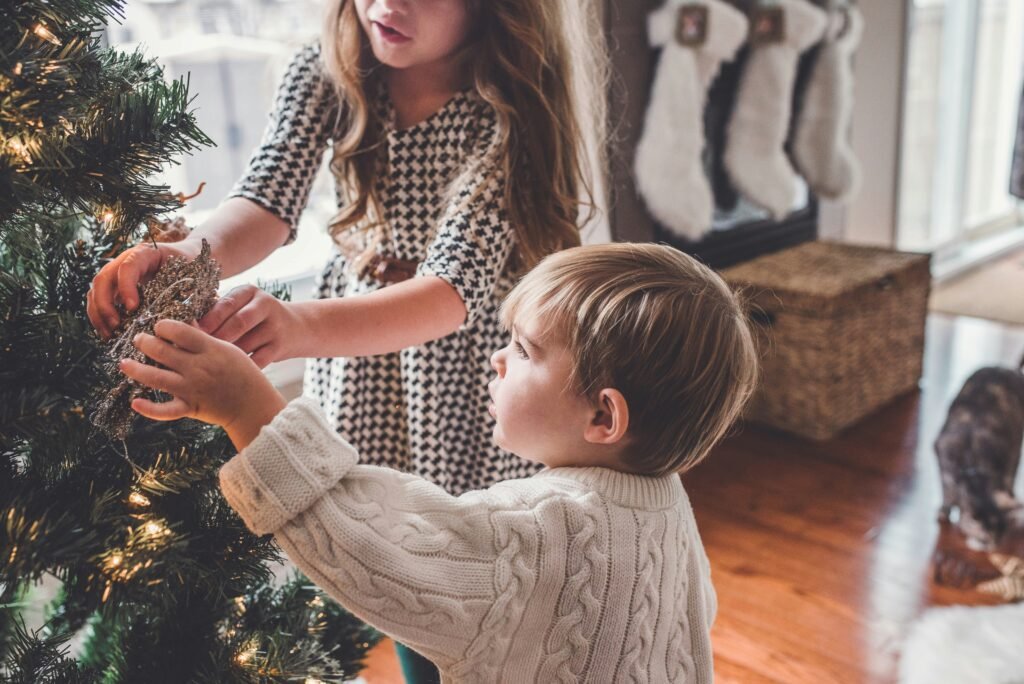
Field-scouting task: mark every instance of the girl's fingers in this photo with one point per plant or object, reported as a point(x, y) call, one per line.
point(244, 320)
point(102, 296)
point(225, 308)
point(137, 264)
point(167, 410)
point(94, 317)
point(264, 355)
point(151, 376)
point(259, 336)
point(160, 351)
point(181, 334)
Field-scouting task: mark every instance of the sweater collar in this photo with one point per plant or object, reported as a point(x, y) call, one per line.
point(624, 489)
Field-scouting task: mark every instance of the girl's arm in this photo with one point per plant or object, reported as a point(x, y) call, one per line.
point(241, 234)
point(403, 315)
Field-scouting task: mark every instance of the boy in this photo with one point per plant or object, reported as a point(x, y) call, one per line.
point(627, 363)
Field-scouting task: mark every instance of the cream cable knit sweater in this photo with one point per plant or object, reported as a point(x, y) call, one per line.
point(575, 574)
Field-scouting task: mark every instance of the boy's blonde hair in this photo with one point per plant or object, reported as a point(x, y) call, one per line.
point(542, 66)
point(658, 326)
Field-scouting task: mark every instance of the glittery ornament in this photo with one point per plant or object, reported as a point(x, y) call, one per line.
point(181, 290)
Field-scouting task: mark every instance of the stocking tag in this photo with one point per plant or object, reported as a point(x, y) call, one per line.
point(692, 25)
point(767, 25)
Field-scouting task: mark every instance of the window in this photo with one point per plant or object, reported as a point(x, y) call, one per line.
point(233, 53)
point(963, 90)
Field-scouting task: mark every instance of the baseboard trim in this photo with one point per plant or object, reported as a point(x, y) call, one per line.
point(957, 261)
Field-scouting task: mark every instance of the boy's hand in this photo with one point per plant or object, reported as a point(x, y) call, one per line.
point(256, 322)
point(210, 380)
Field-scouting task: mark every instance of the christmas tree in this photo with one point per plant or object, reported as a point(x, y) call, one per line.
point(160, 581)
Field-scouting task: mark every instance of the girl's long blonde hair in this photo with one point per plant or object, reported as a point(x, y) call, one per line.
point(542, 66)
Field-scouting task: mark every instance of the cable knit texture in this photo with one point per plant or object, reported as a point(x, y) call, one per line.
point(575, 574)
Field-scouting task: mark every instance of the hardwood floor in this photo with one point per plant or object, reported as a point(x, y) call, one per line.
point(821, 552)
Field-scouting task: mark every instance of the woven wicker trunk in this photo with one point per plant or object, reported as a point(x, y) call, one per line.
point(840, 331)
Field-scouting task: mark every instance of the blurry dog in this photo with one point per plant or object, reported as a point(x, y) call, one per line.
point(979, 449)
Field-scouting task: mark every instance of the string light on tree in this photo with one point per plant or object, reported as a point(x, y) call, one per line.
point(156, 529)
point(248, 652)
point(149, 481)
point(138, 499)
point(21, 149)
point(46, 34)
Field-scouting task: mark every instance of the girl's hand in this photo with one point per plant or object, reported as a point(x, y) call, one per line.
point(119, 280)
point(257, 323)
point(210, 380)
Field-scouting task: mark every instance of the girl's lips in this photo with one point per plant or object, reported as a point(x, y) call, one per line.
point(389, 34)
point(493, 410)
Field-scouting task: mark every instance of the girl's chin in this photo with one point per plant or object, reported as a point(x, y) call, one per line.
point(390, 58)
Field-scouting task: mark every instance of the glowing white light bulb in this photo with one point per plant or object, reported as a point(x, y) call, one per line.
point(138, 499)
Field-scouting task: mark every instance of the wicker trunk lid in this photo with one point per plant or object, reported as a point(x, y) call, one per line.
point(841, 332)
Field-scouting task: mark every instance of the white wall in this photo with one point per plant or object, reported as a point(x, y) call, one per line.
point(870, 218)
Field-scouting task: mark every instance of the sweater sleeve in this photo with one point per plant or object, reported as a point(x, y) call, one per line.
point(394, 549)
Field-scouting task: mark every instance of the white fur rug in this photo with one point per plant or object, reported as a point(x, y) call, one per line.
point(962, 645)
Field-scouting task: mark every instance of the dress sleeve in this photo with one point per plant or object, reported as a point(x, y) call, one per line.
point(282, 169)
point(396, 550)
point(474, 238)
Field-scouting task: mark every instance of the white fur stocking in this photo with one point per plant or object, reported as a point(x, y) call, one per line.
point(754, 154)
point(821, 148)
point(669, 171)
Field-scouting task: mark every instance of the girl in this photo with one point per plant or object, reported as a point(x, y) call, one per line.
point(458, 153)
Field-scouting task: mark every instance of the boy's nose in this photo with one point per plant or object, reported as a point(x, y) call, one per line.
point(498, 362)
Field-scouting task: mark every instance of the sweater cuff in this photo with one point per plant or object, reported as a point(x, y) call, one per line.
point(292, 462)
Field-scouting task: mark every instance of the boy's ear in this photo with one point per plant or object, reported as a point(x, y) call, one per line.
point(610, 420)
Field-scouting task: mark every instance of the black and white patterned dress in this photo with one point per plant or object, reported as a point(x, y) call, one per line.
point(422, 410)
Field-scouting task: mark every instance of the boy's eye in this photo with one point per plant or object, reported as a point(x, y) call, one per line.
point(520, 350)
